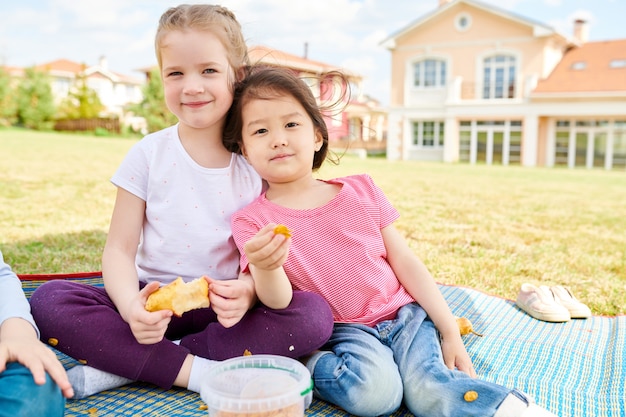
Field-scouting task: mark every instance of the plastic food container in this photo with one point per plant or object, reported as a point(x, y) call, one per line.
point(263, 385)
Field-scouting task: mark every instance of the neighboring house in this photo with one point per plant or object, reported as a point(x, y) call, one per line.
point(361, 122)
point(115, 90)
point(474, 83)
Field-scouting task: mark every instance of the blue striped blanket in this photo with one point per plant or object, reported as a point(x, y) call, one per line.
point(575, 369)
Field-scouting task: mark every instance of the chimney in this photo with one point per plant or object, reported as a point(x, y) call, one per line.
point(306, 50)
point(103, 62)
point(443, 2)
point(581, 30)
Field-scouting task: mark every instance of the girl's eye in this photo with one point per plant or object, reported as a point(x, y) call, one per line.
point(291, 124)
point(174, 74)
point(260, 131)
point(209, 71)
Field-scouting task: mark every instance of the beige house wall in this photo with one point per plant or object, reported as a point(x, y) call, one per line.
point(464, 50)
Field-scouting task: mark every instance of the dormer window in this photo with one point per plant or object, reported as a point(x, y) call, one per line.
point(579, 65)
point(618, 63)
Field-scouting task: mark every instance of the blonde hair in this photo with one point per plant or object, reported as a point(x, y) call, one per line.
point(205, 17)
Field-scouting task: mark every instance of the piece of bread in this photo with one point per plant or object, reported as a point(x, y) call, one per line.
point(180, 296)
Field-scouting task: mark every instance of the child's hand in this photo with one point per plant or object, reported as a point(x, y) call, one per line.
point(267, 250)
point(147, 327)
point(455, 356)
point(231, 299)
point(21, 344)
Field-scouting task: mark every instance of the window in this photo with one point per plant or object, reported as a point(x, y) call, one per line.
point(561, 147)
point(463, 22)
point(586, 143)
point(355, 91)
point(579, 65)
point(490, 141)
point(465, 143)
point(499, 77)
point(130, 91)
point(618, 63)
point(62, 87)
point(313, 83)
point(428, 134)
point(429, 73)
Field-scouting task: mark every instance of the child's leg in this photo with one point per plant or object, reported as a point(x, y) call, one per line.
point(295, 331)
point(20, 396)
point(82, 322)
point(433, 389)
point(87, 381)
point(356, 372)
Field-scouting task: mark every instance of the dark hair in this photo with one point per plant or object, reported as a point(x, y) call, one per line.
point(266, 82)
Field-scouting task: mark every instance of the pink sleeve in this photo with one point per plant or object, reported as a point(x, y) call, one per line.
point(243, 229)
point(379, 206)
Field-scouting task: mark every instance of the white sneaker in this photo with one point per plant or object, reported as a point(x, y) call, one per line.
point(534, 410)
point(540, 303)
point(519, 404)
point(563, 296)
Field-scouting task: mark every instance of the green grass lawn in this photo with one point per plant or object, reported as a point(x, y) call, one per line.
point(487, 227)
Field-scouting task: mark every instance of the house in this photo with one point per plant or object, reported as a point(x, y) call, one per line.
point(475, 83)
point(359, 122)
point(115, 90)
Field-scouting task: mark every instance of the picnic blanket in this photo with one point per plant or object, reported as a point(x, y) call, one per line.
point(575, 369)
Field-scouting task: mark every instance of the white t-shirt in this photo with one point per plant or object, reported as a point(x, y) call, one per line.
point(186, 230)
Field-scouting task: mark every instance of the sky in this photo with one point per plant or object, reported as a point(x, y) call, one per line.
point(343, 33)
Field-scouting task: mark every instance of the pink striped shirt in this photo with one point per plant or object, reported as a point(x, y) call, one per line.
point(337, 249)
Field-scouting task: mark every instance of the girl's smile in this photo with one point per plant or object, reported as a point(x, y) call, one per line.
point(197, 78)
point(196, 104)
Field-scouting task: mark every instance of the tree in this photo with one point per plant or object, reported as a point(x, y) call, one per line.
point(8, 109)
point(82, 101)
point(153, 107)
point(35, 103)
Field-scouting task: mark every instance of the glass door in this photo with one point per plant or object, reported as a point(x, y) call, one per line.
point(599, 149)
point(481, 146)
point(497, 148)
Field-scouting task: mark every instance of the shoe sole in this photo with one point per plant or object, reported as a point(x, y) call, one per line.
point(549, 317)
point(581, 314)
point(577, 310)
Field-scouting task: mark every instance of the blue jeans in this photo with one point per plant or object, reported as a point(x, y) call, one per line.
point(370, 371)
point(21, 397)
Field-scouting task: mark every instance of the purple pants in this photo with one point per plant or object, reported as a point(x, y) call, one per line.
point(81, 321)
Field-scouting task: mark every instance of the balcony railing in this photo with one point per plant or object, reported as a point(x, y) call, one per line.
point(460, 90)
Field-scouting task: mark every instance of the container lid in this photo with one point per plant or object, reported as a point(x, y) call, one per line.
point(257, 383)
